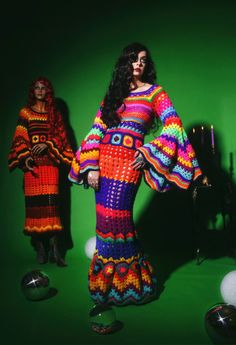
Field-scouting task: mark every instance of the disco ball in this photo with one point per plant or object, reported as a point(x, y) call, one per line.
point(220, 323)
point(35, 285)
point(103, 319)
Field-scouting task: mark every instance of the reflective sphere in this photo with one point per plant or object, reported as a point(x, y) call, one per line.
point(90, 247)
point(228, 288)
point(35, 285)
point(220, 323)
point(103, 319)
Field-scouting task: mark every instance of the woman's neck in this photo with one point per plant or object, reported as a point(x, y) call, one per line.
point(39, 106)
point(136, 84)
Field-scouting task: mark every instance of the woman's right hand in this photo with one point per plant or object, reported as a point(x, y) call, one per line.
point(29, 162)
point(93, 179)
point(38, 149)
point(138, 162)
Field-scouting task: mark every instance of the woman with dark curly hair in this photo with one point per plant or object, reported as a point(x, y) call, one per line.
point(112, 159)
point(39, 145)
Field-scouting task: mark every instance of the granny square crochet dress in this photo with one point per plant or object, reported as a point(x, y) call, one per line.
point(41, 187)
point(119, 272)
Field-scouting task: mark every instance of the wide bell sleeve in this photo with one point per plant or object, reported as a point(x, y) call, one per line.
point(59, 147)
point(21, 147)
point(170, 158)
point(87, 156)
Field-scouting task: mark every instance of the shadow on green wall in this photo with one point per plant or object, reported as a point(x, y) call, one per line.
point(174, 224)
point(66, 240)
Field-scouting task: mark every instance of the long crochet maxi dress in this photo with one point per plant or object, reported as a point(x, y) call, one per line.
point(119, 272)
point(41, 187)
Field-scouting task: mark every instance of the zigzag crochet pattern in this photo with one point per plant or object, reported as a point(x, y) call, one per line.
point(119, 272)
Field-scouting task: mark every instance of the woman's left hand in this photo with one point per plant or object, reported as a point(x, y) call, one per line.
point(93, 179)
point(39, 148)
point(138, 162)
point(205, 181)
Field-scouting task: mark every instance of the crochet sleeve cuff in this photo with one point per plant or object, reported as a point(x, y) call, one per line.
point(170, 158)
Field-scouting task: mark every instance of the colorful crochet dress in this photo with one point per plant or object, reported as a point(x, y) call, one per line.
point(119, 272)
point(41, 187)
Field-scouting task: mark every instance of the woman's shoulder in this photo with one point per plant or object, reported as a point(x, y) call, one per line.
point(153, 87)
point(156, 86)
point(25, 112)
point(156, 89)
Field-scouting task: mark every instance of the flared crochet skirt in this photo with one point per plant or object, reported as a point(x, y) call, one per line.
point(41, 189)
point(119, 272)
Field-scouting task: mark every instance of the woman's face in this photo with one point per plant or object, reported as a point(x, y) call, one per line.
point(40, 91)
point(139, 64)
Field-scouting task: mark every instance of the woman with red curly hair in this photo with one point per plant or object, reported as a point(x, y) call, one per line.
point(39, 145)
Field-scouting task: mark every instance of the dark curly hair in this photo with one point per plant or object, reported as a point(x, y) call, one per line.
point(122, 77)
point(49, 100)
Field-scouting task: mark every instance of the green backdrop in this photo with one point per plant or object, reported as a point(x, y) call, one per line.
point(194, 49)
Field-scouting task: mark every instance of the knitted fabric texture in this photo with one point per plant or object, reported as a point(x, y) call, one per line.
point(41, 187)
point(119, 272)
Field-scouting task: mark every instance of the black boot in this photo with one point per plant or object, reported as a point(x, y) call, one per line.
point(54, 254)
point(41, 252)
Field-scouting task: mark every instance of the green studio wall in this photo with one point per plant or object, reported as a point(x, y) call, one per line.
point(192, 44)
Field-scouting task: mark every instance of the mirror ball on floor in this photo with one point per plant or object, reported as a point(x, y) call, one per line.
point(220, 323)
point(35, 285)
point(103, 319)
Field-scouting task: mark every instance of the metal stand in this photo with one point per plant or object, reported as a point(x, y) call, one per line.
point(197, 230)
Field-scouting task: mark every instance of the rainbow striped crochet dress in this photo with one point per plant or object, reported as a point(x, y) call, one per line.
point(41, 187)
point(119, 272)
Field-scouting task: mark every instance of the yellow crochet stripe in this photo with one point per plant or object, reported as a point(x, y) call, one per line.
point(99, 121)
point(55, 149)
point(43, 228)
point(168, 150)
point(25, 113)
point(191, 154)
point(130, 280)
point(37, 117)
point(158, 143)
point(94, 155)
point(21, 131)
point(98, 283)
point(159, 167)
point(23, 155)
point(184, 162)
point(13, 164)
point(104, 260)
point(173, 126)
point(75, 166)
point(118, 284)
